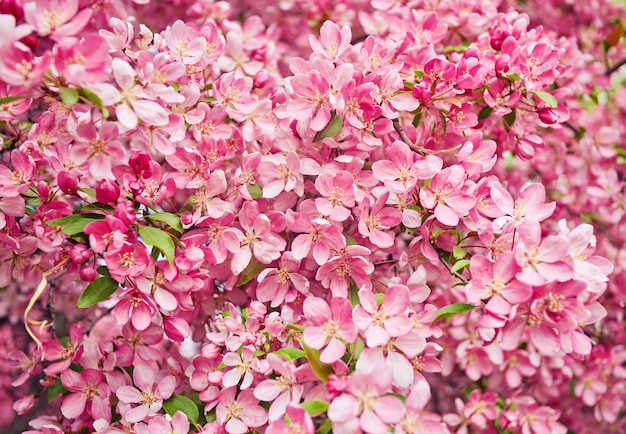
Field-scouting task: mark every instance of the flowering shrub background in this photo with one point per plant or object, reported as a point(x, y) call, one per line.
point(312, 216)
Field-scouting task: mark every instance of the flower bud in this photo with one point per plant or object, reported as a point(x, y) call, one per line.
point(88, 273)
point(79, 253)
point(107, 191)
point(260, 79)
point(68, 183)
point(176, 328)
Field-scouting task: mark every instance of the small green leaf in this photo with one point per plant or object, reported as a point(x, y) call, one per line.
point(546, 97)
point(98, 290)
point(94, 99)
point(315, 406)
point(379, 298)
point(605, 46)
point(251, 271)
point(56, 389)
point(354, 294)
point(184, 404)
point(321, 369)
point(172, 220)
point(331, 129)
point(509, 119)
point(289, 353)
point(459, 265)
point(453, 309)
point(159, 239)
point(91, 192)
point(255, 190)
point(417, 119)
point(75, 223)
point(485, 112)
point(458, 252)
point(9, 99)
point(68, 95)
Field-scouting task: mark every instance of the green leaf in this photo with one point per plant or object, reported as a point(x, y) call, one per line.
point(546, 97)
point(331, 129)
point(417, 119)
point(9, 99)
point(315, 406)
point(321, 369)
point(68, 95)
point(354, 294)
point(485, 112)
point(290, 353)
point(184, 404)
point(91, 192)
point(605, 46)
point(75, 223)
point(56, 389)
point(509, 119)
point(251, 271)
point(459, 265)
point(453, 309)
point(379, 298)
point(172, 220)
point(159, 239)
point(458, 252)
point(94, 99)
point(255, 190)
point(98, 290)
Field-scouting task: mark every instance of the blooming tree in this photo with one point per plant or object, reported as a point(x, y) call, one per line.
point(310, 216)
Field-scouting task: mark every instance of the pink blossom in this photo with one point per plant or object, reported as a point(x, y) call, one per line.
point(446, 197)
point(90, 392)
point(147, 393)
point(350, 263)
point(239, 412)
point(332, 327)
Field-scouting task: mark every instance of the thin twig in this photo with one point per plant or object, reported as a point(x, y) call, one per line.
point(453, 273)
point(615, 67)
point(405, 138)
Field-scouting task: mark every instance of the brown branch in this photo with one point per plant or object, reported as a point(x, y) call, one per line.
point(615, 67)
point(405, 138)
point(455, 274)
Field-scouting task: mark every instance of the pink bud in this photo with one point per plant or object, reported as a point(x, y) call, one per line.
point(335, 386)
point(68, 183)
point(87, 273)
point(210, 351)
point(260, 79)
point(24, 405)
point(43, 190)
point(176, 328)
point(107, 191)
point(80, 253)
point(549, 115)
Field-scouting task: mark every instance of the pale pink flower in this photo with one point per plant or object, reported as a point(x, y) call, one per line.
point(282, 390)
point(334, 42)
point(337, 191)
point(318, 236)
point(300, 422)
point(274, 283)
point(56, 18)
point(350, 263)
point(375, 218)
point(148, 394)
point(239, 412)
point(447, 197)
point(389, 320)
point(332, 326)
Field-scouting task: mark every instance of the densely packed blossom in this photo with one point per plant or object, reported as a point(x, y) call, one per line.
point(310, 216)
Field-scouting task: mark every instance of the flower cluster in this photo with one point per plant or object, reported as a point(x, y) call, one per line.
point(405, 218)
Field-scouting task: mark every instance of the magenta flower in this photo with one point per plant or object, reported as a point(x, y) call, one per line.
point(332, 326)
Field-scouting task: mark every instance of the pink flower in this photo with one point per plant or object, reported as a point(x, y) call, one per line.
point(57, 18)
point(274, 283)
point(241, 412)
point(90, 392)
point(447, 197)
point(130, 260)
point(390, 319)
point(373, 220)
point(350, 263)
point(147, 393)
point(332, 326)
point(299, 422)
point(365, 404)
point(337, 191)
point(334, 42)
point(317, 236)
point(282, 390)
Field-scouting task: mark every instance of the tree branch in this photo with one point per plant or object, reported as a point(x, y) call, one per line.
point(405, 138)
point(615, 67)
